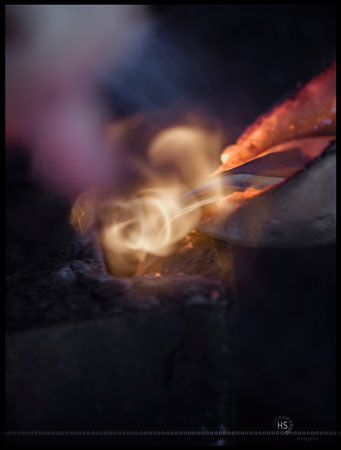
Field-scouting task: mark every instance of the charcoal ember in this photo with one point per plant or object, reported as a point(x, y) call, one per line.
point(197, 254)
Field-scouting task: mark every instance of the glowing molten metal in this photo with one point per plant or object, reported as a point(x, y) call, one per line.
point(152, 219)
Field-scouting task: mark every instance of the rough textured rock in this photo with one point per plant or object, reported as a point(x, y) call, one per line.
point(87, 351)
point(169, 368)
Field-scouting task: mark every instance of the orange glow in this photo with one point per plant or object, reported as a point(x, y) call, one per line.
point(224, 157)
point(154, 218)
point(236, 199)
point(241, 197)
point(186, 246)
point(311, 113)
point(149, 223)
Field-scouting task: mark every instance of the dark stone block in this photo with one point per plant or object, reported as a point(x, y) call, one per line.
point(169, 368)
point(88, 351)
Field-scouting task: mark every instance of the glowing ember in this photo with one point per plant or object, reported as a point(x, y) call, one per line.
point(224, 157)
point(155, 217)
point(148, 223)
point(240, 197)
point(312, 112)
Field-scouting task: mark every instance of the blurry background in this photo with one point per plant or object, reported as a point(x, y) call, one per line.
point(234, 61)
point(227, 64)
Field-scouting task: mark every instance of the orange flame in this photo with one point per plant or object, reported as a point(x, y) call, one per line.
point(155, 217)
